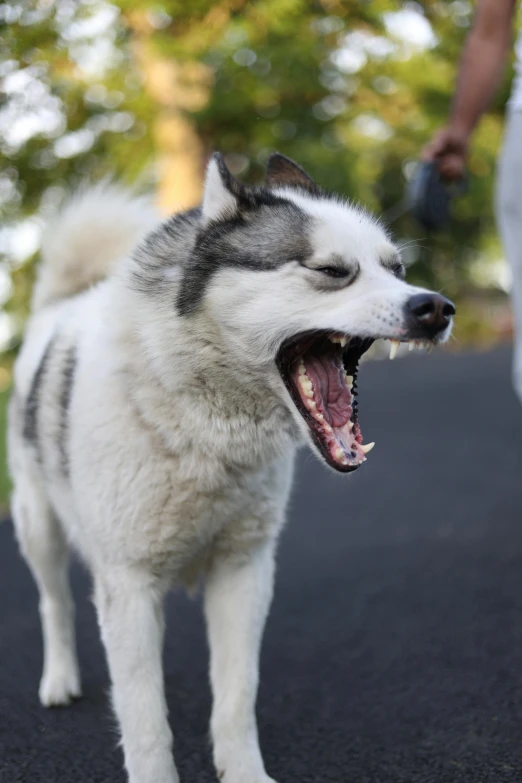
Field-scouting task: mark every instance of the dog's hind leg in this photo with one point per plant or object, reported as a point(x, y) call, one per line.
point(237, 599)
point(44, 547)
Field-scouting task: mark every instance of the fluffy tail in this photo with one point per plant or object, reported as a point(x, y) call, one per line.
point(97, 227)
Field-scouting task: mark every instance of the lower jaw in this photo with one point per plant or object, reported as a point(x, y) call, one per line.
point(339, 456)
point(339, 467)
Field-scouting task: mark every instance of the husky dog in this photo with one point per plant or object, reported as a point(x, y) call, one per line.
point(169, 372)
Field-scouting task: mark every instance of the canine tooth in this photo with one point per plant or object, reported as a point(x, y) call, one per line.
point(349, 380)
point(343, 341)
point(394, 347)
point(339, 453)
point(367, 448)
point(301, 369)
point(411, 345)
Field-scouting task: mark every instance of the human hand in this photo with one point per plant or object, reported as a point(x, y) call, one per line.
point(449, 149)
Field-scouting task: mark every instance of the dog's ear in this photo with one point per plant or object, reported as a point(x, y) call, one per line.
point(221, 192)
point(281, 171)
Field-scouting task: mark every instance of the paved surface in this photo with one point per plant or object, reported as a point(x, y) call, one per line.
point(393, 653)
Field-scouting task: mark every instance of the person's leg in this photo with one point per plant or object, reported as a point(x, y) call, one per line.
point(509, 218)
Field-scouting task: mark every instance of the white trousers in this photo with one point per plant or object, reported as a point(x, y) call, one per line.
point(509, 218)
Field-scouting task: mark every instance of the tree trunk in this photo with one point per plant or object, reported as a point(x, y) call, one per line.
point(176, 89)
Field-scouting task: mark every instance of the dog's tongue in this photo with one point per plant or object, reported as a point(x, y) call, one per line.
point(331, 394)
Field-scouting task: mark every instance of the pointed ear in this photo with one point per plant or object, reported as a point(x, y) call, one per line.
point(281, 171)
point(221, 191)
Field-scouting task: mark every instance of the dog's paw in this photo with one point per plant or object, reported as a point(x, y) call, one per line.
point(239, 760)
point(249, 780)
point(240, 778)
point(59, 687)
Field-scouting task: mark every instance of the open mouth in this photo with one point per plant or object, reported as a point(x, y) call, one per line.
point(319, 370)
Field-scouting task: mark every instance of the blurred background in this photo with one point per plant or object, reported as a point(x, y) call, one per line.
point(144, 91)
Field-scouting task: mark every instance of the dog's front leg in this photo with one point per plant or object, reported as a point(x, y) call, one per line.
point(237, 599)
point(131, 619)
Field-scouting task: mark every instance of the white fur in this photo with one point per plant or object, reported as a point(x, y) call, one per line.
point(181, 438)
point(217, 200)
point(89, 237)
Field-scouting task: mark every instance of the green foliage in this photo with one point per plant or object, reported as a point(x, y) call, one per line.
point(92, 129)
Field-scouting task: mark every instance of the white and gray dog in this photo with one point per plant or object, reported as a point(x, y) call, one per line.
point(168, 374)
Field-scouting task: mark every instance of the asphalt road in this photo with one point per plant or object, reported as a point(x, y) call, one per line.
point(393, 653)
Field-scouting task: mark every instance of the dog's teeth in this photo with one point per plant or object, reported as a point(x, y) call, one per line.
point(301, 369)
point(349, 381)
point(367, 448)
point(312, 406)
point(411, 345)
point(339, 453)
point(306, 386)
point(350, 425)
point(394, 347)
point(343, 341)
point(327, 428)
point(319, 417)
point(335, 339)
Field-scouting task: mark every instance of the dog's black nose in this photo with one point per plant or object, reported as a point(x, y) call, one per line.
point(429, 313)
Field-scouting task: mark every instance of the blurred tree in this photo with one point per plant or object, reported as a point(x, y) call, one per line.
point(72, 108)
point(143, 91)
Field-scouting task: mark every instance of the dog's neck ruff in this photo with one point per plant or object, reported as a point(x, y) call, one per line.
point(199, 404)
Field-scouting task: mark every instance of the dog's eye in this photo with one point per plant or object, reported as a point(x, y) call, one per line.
point(334, 271)
point(398, 270)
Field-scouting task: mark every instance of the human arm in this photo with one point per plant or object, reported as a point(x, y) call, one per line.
point(479, 76)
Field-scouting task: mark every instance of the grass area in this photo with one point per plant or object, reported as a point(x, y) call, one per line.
point(5, 485)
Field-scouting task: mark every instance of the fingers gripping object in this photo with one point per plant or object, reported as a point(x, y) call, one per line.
point(430, 197)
